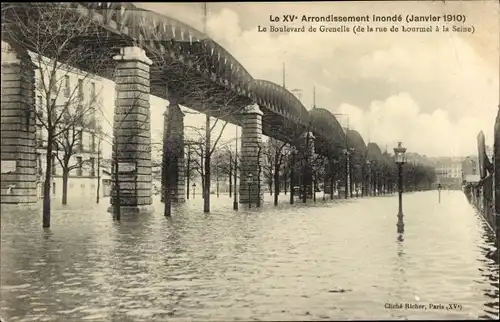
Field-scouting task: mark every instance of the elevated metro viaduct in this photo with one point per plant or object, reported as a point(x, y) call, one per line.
point(148, 53)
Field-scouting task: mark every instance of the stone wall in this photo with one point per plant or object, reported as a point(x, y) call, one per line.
point(18, 152)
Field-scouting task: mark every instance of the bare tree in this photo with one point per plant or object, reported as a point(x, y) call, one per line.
point(275, 153)
point(317, 164)
point(206, 149)
point(70, 142)
point(52, 35)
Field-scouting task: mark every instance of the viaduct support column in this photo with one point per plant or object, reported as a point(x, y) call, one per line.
point(307, 168)
point(173, 133)
point(132, 132)
point(18, 152)
point(251, 156)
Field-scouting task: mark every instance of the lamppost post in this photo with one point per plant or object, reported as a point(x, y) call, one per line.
point(367, 178)
point(249, 182)
point(439, 192)
point(346, 153)
point(399, 154)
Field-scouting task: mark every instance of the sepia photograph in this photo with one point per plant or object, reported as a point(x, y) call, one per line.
point(250, 161)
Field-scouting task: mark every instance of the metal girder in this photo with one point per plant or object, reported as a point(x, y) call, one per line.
point(165, 38)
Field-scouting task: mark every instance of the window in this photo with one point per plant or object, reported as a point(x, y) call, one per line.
point(80, 140)
point(52, 109)
point(92, 142)
point(54, 169)
point(39, 163)
point(40, 102)
point(39, 136)
point(92, 92)
point(86, 141)
point(66, 86)
point(92, 167)
point(80, 89)
point(79, 169)
point(53, 87)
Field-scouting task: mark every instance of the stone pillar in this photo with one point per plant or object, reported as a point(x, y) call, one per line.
point(251, 156)
point(132, 131)
point(18, 130)
point(174, 134)
point(308, 155)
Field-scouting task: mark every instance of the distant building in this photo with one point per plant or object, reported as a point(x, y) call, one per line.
point(415, 158)
point(448, 171)
point(469, 167)
point(82, 90)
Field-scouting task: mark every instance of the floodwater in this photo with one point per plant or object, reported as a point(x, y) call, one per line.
point(330, 260)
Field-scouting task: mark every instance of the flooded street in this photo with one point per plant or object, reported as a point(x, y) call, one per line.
point(330, 260)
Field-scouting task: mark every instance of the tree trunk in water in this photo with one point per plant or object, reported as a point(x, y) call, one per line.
point(116, 184)
point(117, 201)
point(202, 174)
point(47, 183)
point(206, 186)
point(188, 172)
point(331, 187)
point(98, 172)
point(259, 172)
point(65, 176)
point(206, 200)
point(304, 183)
point(304, 192)
point(167, 174)
point(276, 184)
point(292, 179)
point(314, 190)
point(230, 176)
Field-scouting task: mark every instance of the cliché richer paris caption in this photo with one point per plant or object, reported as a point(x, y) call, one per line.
point(331, 23)
point(424, 307)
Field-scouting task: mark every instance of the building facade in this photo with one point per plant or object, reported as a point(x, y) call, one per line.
point(76, 100)
point(469, 166)
point(448, 171)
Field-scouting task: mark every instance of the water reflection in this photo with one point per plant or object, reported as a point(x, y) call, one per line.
point(331, 260)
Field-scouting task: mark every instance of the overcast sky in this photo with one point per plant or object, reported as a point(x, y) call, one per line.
point(433, 91)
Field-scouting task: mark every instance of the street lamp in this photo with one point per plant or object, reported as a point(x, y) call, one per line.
point(400, 158)
point(249, 182)
point(348, 183)
point(194, 187)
